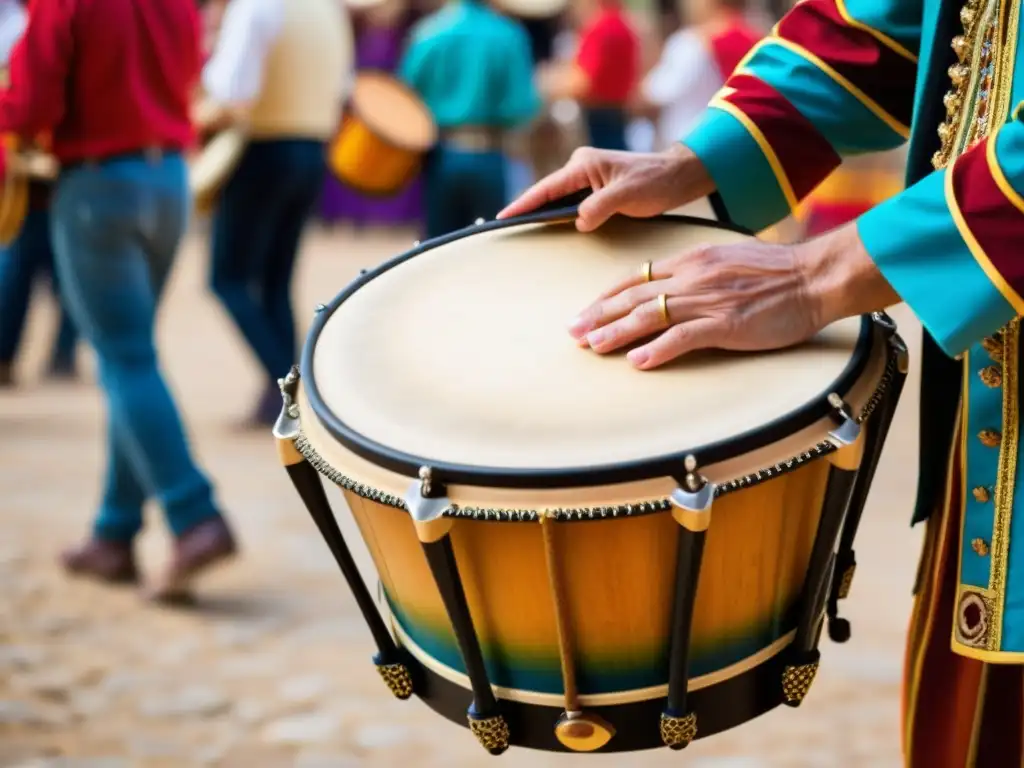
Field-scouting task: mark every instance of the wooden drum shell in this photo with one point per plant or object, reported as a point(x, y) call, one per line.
point(370, 164)
point(383, 138)
point(620, 584)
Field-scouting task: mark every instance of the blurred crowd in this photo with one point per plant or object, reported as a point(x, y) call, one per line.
point(513, 86)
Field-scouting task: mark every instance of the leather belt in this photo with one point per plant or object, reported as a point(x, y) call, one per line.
point(151, 154)
point(471, 138)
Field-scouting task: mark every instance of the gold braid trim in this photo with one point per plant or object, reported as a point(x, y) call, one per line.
point(1005, 477)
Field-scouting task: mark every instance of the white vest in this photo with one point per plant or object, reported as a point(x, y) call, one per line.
point(306, 73)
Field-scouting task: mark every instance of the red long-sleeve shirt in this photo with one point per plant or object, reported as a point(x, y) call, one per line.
point(105, 77)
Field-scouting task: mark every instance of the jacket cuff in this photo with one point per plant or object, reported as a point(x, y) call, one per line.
point(916, 242)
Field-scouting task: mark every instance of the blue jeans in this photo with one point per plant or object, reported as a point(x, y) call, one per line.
point(461, 187)
point(29, 257)
point(256, 233)
point(607, 127)
point(116, 227)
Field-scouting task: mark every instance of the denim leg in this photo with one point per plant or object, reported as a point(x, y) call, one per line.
point(276, 281)
point(487, 176)
point(62, 354)
point(120, 515)
point(106, 225)
point(19, 265)
point(443, 204)
point(249, 212)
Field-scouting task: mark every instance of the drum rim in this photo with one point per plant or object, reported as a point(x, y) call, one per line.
point(383, 135)
point(647, 468)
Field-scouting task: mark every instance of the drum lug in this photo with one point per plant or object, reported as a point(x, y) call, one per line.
point(427, 504)
point(287, 425)
point(693, 498)
point(848, 430)
point(883, 321)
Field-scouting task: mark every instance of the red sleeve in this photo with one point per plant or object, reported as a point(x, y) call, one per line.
point(589, 56)
point(199, 54)
point(34, 101)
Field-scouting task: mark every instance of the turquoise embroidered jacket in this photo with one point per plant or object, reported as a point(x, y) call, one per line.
point(841, 77)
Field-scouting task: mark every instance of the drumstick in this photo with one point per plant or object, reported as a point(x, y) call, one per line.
point(578, 731)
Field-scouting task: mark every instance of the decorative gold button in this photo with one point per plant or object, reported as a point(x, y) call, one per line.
point(967, 16)
point(981, 494)
point(959, 73)
point(952, 100)
point(945, 130)
point(994, 347)
point(980, 546)
point(960, 47)
point(991, 376)
point(990, 438)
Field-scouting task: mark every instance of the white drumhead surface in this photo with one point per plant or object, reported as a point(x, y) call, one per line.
point(461, 354)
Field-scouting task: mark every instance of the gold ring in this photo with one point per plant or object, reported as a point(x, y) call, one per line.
point(645, 271)
point(663, 308)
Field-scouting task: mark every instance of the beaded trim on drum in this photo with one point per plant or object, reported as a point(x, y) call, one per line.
point(818, 451)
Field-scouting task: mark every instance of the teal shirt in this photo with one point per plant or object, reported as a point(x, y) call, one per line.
point(472, 66)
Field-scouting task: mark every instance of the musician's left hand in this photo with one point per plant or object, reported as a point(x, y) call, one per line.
point(747, 296)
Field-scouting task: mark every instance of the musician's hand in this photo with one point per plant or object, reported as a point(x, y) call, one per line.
point(631, 183)
point(746, 296)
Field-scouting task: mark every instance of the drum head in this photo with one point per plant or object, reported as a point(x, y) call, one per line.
point(460, 356)
point(393, 111)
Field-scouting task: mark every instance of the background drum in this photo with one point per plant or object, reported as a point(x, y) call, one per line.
point(210, 169)
point(576, 555)
point(20, 164)
point(383, 137)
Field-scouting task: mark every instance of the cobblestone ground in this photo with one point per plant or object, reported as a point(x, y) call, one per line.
point(272, 667)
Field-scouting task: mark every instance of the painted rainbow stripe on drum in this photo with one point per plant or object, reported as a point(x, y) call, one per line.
point(618, 577)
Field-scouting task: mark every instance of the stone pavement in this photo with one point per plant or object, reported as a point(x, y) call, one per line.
point(272, 667)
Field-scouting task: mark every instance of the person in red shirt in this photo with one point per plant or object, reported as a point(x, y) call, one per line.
point(110, 81)
point(605, 71)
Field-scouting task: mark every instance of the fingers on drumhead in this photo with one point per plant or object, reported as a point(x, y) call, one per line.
point(678, 340)
point(644, 320)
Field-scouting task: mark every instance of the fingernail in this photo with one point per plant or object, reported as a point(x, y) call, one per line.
point(638, 356)
point(596, 337)
point(578, 326)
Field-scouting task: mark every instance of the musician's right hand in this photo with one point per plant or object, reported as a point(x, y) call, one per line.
point(638, 184)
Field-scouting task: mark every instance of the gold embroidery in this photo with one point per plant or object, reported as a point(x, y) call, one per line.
point(1005, 477)
point(974, 620)
point(990, 438)
point(991, 376)
point(980, 546)
point(960, 47)
point(981, 494)
point(994, 347)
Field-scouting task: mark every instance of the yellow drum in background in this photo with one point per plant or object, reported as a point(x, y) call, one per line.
point(384, 136)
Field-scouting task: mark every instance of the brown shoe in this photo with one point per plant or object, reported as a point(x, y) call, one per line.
point(110, 561)
point(197, 550)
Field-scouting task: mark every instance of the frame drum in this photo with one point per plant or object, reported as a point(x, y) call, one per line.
point(383, 137)
point(576, 555)
point(210, 170)
point(20, 164)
